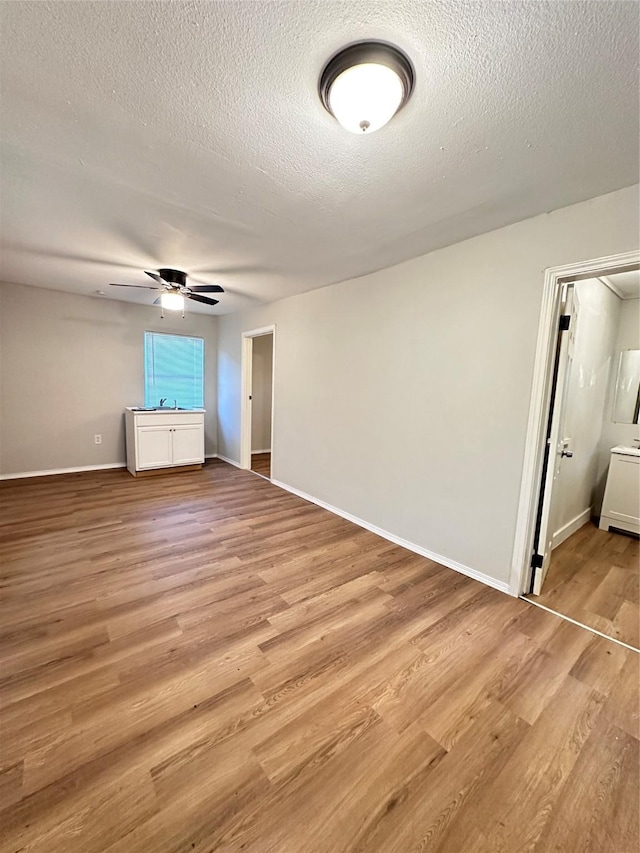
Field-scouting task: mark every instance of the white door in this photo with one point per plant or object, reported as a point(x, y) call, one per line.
point(154, 446)
point(188, 444)
point(557, 452)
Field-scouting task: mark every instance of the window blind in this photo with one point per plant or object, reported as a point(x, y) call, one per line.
point(173, 368)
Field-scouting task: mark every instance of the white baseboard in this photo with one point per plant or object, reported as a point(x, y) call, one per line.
point(266, 450)
point(502, 586)
point(570, 528)
point(78, 469)
point(230, 461)
point(48, 473)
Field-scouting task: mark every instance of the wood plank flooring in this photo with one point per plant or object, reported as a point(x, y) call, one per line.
point(204, 662)
point(261, 464)
point(594, 578)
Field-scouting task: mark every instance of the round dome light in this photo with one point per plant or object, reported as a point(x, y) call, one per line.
point(365, 84)
point(172, 301)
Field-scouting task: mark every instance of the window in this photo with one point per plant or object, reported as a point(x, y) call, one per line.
point(173, 369)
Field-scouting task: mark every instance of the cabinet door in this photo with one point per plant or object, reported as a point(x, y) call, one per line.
point(622, 496)
point(154, 447)
point(188, 444)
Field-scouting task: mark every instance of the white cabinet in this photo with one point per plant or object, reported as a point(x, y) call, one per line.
point(163, 439)
point(621, 504)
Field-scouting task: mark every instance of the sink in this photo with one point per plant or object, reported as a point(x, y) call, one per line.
point(159, 409)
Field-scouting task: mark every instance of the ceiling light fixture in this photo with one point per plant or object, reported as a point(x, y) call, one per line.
point(172, 301)
point(365, 84)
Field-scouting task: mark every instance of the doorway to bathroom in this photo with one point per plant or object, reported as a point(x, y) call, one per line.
point(580, 554)
point(257, 401)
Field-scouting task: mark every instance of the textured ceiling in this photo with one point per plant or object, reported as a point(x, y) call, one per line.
point(190, 135)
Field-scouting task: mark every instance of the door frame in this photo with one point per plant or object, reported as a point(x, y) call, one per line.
point(554, 278)
point(245, 392)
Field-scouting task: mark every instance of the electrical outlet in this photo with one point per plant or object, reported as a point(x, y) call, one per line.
point(97, 439)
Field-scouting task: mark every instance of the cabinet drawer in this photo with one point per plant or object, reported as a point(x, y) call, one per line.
point(169, 419)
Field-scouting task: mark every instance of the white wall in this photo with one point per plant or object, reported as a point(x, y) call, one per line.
point(261, 384)
point(597, 321)
point(402, 396)
point(70, 364)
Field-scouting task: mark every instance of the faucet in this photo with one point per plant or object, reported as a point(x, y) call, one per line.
point(163, 400)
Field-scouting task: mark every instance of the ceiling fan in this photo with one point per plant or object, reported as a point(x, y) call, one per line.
point(174, 287)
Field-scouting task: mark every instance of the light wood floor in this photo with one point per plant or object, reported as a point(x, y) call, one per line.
point(204, 662)
point(261, 464)
point(594, 578)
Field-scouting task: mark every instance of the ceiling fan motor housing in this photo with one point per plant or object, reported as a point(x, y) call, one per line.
point(176, 277)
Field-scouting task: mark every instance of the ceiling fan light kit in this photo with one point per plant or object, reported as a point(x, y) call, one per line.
point(172, 301)
point(175, 289)
point(365, 84)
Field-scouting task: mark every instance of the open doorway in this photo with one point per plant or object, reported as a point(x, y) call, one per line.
point(257, 401)
point(584, 524)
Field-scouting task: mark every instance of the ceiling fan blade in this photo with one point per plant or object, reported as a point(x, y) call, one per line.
point(204, 299)
point(206, 288)
point(143, 286)
point(155, 277)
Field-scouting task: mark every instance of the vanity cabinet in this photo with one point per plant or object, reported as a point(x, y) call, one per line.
point(621, 504)
point(159, 440)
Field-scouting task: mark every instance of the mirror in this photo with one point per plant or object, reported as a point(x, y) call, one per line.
point(626, 403)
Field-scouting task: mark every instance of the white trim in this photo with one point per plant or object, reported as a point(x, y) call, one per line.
point(554, 277)
point(257, 333)
point(51, 471)
point(229, 461)
point(266, 450)
point(570, 528)
point(79, 469)
point(246, 391)
point(579, 624)
point(502, 586)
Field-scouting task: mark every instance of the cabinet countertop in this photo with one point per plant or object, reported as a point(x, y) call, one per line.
point(140, 410)
point(626, 451)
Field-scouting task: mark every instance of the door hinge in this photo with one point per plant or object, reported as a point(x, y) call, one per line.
point(565, 320)
point(536, 561)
